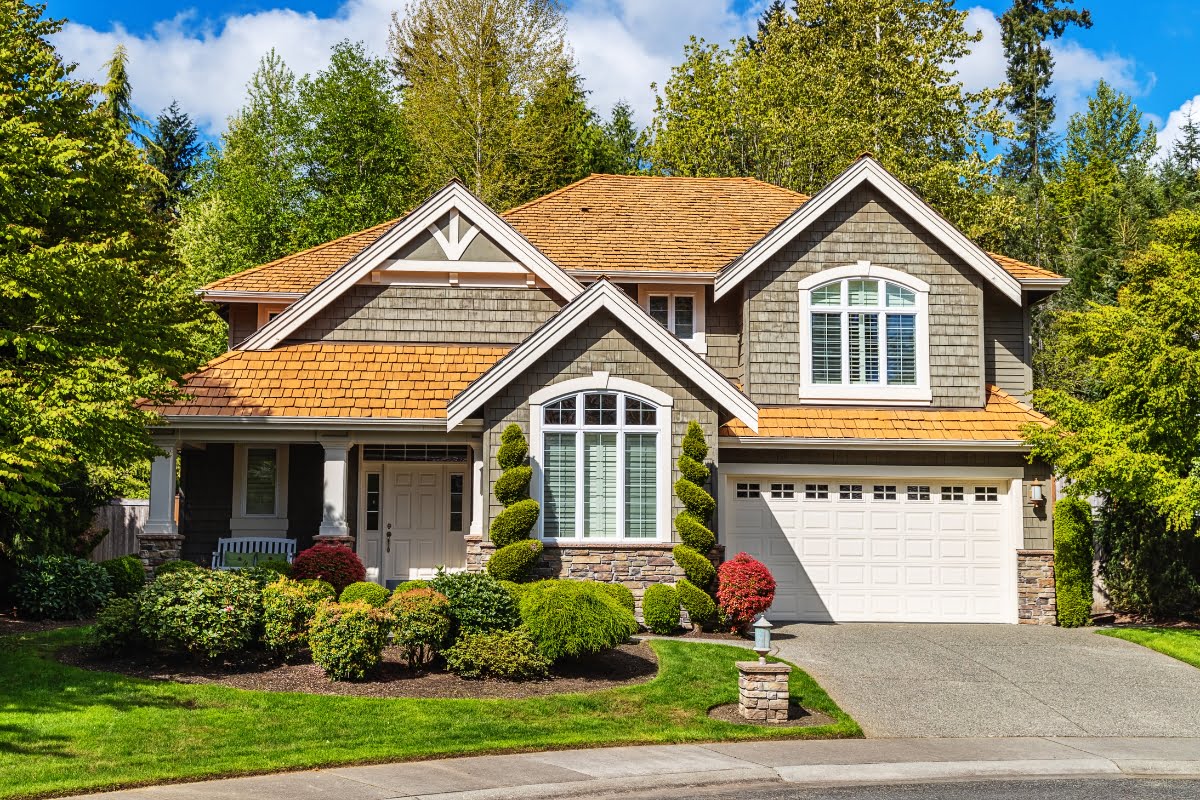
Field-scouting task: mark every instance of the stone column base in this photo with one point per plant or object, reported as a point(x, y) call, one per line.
point(1036, 601)
point(156, 549)
point(763, 691)
point(334, 538)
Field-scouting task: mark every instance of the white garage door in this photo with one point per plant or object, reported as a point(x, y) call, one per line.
point(880, 550)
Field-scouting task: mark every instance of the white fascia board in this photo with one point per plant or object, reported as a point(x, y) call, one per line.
point(643, 275)
point(1045, 283)
point(452, 197)
point(894, 445)
point(193, 422)
point(866, 170)
point(600, 295)
point(222, 296)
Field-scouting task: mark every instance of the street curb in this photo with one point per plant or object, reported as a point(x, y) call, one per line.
point(608, 785)
point(916, 771)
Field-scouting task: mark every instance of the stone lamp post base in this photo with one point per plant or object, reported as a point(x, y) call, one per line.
point(763, 691)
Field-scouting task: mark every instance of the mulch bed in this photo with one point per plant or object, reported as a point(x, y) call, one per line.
point(10, 623)
point(797, 717)
point(1122, 620)
point(627, 665)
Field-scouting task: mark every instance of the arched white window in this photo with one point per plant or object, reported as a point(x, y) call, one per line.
point(864, 336)
point(601, 455)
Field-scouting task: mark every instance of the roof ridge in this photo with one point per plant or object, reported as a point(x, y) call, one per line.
point(322, 245)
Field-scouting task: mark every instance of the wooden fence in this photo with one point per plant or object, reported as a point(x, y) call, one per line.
point(124, 520)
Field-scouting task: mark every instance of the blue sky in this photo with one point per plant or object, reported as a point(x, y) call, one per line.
point(203, 53)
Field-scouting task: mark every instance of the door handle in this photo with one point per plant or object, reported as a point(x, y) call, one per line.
point(389, 537)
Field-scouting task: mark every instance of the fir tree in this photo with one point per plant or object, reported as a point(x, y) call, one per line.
point(174, 151)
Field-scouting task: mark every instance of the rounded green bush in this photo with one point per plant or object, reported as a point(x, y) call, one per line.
point(701, 608)
point(170, 567)
point(621, 593)
point(515, 589)
point(660, 609)
point(513, 485)
point(410, 585)
point(372, 594)
point(268, 572)
point(209, 614)
point(567, 619)
point(60, 587)
point(694, 533)
point(347, 639)
point(692, 470)
point(698, 502)
point(513, 448)
point(126, 575)
point(514, 523)
point(515, 562)
point(1073, 555)
point(421, 624)
point(508, 655)
point(698, 569)
point(478, 602)
point(288, 609)
point(693, 445)
point(116, 628)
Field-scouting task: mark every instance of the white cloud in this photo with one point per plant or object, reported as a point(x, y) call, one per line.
point(1172, 131)
point(983, 67)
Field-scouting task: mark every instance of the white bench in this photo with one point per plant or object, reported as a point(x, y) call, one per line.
point(266, 548)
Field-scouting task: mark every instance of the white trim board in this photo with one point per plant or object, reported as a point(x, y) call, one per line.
point(895, 445)
point(452, 199)
point(866, 170)
point(601, 296)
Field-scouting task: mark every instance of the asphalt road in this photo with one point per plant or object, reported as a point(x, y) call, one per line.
point(1061, 789)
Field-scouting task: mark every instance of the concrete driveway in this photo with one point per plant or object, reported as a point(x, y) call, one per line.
point(995, 680)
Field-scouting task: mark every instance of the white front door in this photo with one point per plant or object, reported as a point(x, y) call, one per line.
point(414, 523)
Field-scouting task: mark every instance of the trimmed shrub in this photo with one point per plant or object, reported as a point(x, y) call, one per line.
point(477, 602)
point(347, 639)
point(621, 593)
point(694, 533)
point(126, 575)
point(60, 587)
point(509, 655)
point(745, 589)
point(514, 523)
point(421, 624)
point(702, 611)
point(1073, 554)
point(698, 569)
point(288, 609)
point(170, 567)
point(410, 585)
point(513, 448)
point(267, 572)
point(116, 628)
point(209, 614)
point(513, 485)
point(515, 562)
point(569, 618)
point(515, 589)
point(699, 503)
point(335, 563)
point(660, 609)
point(694, 446)
point(372, 594)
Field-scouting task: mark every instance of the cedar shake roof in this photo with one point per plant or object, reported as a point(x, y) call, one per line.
point(334, 380)
point(1000, 420)
point(604, 224)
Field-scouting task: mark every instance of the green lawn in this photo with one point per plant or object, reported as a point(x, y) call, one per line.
point(66, 730)
point(1177, 643)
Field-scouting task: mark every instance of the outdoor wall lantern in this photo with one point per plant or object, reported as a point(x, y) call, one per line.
point(762, 637)
point(1035, 493)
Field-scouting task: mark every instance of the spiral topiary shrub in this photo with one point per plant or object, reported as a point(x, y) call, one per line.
point(745, 589)
point(347, 639)
point(660, 609)
point(126, 575)
point(335, 563)
point(372, 594)
point(698, 569)
point(568, 618)
point(520, 514)
point(621, 593)
point(288, 609)
point(1073, 554)
point(701, 608)
point(515, 562)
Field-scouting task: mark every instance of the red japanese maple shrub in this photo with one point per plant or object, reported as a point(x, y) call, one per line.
point(335, 563)
point(745, 589)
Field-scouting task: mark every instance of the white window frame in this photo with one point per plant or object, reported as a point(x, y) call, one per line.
point(845, 392)
point(602, 382)
point(259, 523)
point(697, 340)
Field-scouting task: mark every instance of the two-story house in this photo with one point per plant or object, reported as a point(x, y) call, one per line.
point(857, 364)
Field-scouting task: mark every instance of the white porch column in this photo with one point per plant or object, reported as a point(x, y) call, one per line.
point(477, 488)
point(333, 517)
point(161, 518)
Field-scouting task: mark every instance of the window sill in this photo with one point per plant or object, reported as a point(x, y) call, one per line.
point(843, 395)
point(620, 544)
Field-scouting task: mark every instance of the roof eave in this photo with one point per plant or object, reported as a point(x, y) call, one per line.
point(826, 443)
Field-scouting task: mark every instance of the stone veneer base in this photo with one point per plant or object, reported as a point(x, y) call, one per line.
point(1036, 601)
point(763, 691)
point(156, 549)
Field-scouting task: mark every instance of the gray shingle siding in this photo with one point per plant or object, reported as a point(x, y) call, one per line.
point(430, 315)
point(723, 333)
point(1005, 350)
point(865, 226)
point(601, 344)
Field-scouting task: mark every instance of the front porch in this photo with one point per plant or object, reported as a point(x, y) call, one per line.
point(404, 502)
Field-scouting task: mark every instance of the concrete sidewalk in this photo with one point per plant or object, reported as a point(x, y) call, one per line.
point(568, 773)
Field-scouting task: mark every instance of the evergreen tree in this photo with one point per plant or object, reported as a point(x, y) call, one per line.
point(1180, 170)
point(558, 140)
point(622, 142)
point(174, 151)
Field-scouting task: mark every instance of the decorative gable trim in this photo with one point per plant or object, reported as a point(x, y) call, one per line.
point(601, 296)
point(452, 199)
point(867, 170)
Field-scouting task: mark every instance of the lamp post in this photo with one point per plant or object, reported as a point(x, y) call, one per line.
point(762, 637)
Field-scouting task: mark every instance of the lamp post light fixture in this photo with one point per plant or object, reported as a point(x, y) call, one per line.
point(762, 637)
